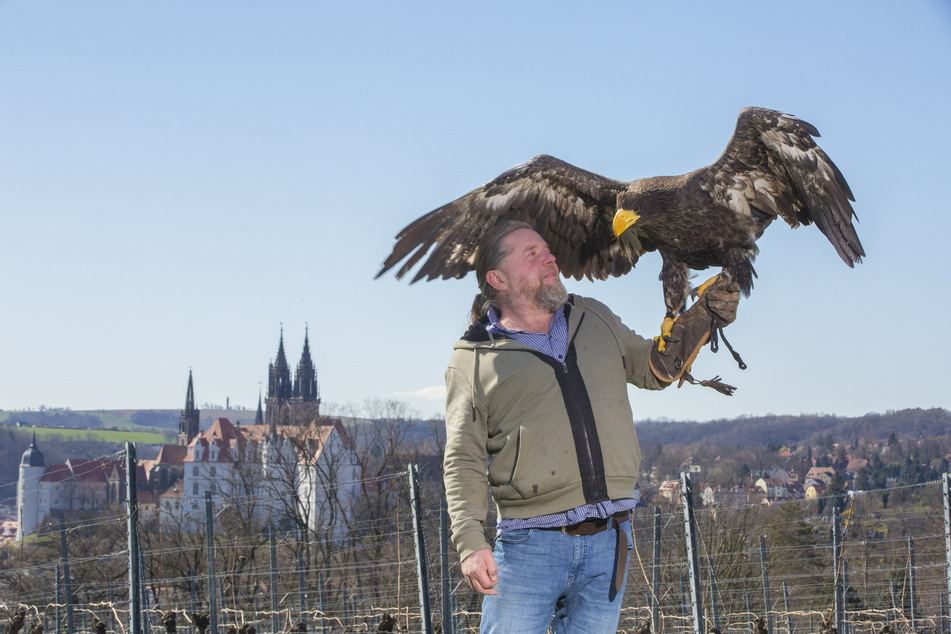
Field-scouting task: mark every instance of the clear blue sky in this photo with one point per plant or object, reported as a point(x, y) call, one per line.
point(178, 179)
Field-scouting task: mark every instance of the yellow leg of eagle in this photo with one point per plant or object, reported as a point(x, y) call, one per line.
point(703, 287)
point(665, 327)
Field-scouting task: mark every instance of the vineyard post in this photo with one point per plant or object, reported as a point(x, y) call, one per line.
point(912, 587)
point(59, 576)
point(320, 592)
point(837, 603)
point(714, 606)
point(210, 551)
point(946, 487)
point(144, 598)
point(135, 610)
point(272, 544)
point(66, 585)
point(767, 602)
point(448, 627)
point(302, 597)
point(693, 562)
point(415, 505)
point(655, 575)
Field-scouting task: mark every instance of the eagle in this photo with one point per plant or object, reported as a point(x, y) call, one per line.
point(598, 227)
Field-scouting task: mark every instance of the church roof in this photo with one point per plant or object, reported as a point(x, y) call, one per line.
point(172, 455)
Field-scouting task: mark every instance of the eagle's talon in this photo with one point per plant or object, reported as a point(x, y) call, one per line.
point(665, 329)
point(700, 290)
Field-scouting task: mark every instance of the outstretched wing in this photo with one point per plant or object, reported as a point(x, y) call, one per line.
point(773, 167)
point(571, 208)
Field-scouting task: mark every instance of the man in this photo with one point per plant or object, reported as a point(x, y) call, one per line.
point(537, 389)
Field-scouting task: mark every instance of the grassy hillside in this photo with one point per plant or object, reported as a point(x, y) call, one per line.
point(101, 435)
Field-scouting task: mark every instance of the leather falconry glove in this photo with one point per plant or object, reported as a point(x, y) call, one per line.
point(703, 321)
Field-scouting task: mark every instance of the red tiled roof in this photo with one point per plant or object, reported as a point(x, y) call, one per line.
point(172, 454)
point(82, 470)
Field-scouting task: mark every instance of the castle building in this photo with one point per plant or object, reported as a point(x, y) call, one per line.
point(292, 402)
point(74, 485)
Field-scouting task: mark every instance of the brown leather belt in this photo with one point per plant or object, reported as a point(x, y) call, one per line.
point(599, 525)
point(595, 525)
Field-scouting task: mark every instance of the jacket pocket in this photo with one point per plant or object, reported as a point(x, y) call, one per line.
point(542, 463)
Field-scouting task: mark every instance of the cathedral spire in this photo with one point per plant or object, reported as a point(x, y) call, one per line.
point(305, 381)
point(259, 417)
point(279, 382)
point(188, 426)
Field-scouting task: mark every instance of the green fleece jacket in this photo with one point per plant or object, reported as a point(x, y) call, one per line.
point(553, 435)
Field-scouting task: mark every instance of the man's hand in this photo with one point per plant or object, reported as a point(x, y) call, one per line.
point(480, 571)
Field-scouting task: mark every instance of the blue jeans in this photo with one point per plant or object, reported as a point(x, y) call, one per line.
point(547, 578)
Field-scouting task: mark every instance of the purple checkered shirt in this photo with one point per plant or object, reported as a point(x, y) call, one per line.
point(554, 343)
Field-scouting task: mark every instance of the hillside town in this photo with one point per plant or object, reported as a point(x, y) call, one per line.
point(282, 461)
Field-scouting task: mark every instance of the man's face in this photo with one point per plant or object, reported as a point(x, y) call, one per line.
point(530, 271)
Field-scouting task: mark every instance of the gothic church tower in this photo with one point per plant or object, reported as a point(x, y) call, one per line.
point(294, 402)
point(188, 426)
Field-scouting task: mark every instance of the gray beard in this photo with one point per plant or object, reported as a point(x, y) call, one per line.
point(551, 296)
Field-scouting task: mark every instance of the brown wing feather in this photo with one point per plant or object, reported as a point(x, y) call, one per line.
point(773, 167)
point(570, 207)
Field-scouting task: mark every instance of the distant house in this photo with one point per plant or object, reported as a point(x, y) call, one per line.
point(773, 488)
point(670, 491)
point(815, 490)
point(784, 475)
point(855, 465)
point(820, 474)
point(725, 496)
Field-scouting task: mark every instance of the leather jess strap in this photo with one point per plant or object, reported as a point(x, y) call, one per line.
point(620, 570)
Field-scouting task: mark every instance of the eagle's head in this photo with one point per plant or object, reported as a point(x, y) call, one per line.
point(627, 231)
point(634, 222)
point(641, 211)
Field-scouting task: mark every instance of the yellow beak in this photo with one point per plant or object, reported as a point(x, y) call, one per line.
point(624, 220)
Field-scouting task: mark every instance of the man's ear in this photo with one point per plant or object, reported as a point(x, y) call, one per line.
point(495, 280)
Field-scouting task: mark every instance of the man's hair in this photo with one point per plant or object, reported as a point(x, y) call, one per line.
point(492, 251)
